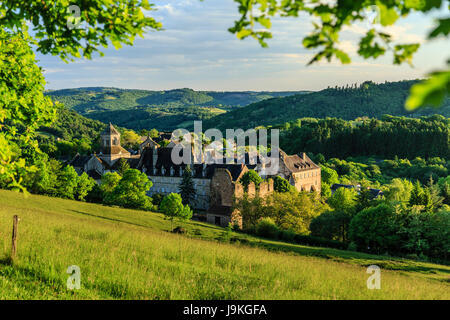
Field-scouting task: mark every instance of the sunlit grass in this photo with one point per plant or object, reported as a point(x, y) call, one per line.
point(126, 254)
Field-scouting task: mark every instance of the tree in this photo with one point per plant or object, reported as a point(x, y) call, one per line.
point(329, 176)
point(398, 190)
point(23, 106)
point(123, 166)
point(293, 210)
point(84, 185)
point(187, 189)
point(250, 176)
point(344, 199)
point(421, 197)
point(173, 208)
point(281, 185)
point(130, 139)
point(67, 183)
point(330, 19)
point(376, 229)
point(332, 225)
point(115, 21)
point(131, 191)
point(109, 182)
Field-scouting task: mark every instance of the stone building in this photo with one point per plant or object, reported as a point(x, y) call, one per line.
point(107, 160)
point(216, 185)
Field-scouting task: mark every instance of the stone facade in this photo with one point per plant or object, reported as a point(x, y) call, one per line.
point(217, 185)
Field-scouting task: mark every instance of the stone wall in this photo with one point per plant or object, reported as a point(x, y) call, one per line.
point(166, 185)
point(309, 180)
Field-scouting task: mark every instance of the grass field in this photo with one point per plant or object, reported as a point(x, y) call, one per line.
point(127, 254)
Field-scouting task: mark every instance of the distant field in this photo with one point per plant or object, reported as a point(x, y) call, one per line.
point(126, 254)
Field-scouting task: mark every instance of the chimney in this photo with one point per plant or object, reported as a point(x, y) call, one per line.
point(303, 156)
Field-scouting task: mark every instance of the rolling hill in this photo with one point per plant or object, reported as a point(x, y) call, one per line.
point(129, 254)
point(163, 110)
point(348, 103)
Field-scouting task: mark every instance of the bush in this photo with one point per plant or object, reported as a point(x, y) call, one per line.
point(286, 235)
point(267, 228)
point(376, 229)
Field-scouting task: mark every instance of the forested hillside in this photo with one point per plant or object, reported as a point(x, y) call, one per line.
point(349, 102)
point(163, 110)
point(387, 138)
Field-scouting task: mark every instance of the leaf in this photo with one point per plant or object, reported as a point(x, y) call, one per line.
point(341, 55)
point(388, 16)
point(265, 22)
point(243, 33)
point(442, 28)
point(429, 92)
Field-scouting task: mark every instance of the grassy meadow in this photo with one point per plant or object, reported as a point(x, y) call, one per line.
point(127, 254)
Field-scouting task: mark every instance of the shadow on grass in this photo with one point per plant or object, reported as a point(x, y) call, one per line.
point(351, 257)
point(358, 258)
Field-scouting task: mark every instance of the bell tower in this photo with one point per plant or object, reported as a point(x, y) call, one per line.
point(110, 138)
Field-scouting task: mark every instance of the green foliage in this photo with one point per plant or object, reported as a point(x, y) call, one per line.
point(282, 185)
point(329, 20)
point(369, 137)
point(123, 166)
point(329, 176)
point(128, 191)
point(102, 23)
point(173, 208)
point(344, 200)
point(136, 239)
point(421, 197)
point(84, 185)
point(267, 228)
point(332, 225)
point(348, 102)
point(67, 183)
point(398, 190)
point(187, 189)
point(144, 109)
point(293, 210)
point(250, 176)
point(23, 107)
point(375, 229)
point(109, 182)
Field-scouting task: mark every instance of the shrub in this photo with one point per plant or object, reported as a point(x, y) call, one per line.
point(286, 235)
point(267, 228)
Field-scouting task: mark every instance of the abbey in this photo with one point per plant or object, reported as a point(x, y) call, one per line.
point(216, 184)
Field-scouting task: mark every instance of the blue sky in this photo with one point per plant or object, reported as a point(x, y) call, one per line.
point(196, 51)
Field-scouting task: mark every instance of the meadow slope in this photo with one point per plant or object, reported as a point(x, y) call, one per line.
point(126, 254)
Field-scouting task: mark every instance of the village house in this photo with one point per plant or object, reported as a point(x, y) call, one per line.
point(216, 184)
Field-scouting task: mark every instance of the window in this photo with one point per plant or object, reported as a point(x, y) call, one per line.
point(217, 220)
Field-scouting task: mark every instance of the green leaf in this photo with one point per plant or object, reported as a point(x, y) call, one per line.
point(388, 16)
point(243, 33)
point(429, 92)
point(341, 55)
point(265, 22)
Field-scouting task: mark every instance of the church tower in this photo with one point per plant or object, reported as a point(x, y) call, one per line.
point(111, 149)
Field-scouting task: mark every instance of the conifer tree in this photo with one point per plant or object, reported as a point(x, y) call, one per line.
point(187, 189)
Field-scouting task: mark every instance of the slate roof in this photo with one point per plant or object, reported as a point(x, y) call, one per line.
point(114, 150)
point(110, 130)
point(296, 163)
point(79, 161)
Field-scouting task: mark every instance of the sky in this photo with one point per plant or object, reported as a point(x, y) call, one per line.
point(196, 51)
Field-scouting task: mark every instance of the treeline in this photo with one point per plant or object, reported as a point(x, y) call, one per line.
point(73, 133)
point(410, 219)
point(377, 172)
point(349, 102)
point(386, 138)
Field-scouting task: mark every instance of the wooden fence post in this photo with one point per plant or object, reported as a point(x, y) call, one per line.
point(14, 238)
